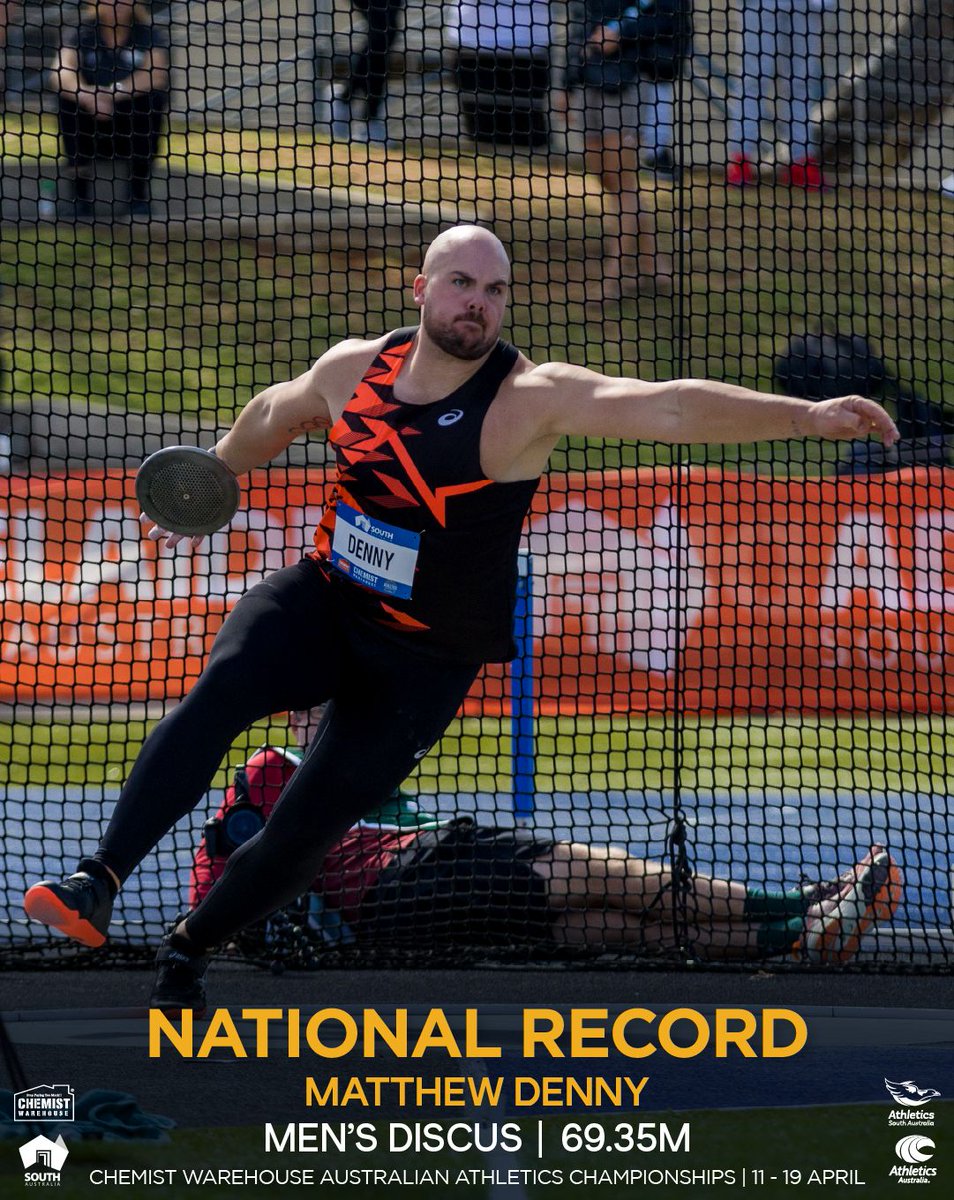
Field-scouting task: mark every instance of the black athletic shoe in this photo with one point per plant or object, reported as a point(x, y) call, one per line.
point(79, 906)
point(180, 978)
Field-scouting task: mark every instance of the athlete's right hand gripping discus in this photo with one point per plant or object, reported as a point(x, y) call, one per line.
point(187, 491)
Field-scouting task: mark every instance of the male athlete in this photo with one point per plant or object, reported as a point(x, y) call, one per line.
point(441, 434)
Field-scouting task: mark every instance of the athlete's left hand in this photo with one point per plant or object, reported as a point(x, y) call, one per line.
point(156, 533)
point(849, 417)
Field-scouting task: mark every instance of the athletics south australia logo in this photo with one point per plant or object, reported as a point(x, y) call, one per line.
point(42, 1161)
point(912, 1103)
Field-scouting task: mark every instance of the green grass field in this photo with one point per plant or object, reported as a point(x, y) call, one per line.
point(583, 753)
point(120, 323)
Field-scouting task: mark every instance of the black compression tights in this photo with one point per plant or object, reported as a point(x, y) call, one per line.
point(287, 644)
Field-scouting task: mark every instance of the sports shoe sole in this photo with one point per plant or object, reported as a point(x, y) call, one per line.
point(41, 904)
point(858, 907)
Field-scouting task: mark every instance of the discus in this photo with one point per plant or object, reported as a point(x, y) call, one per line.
point(187, 490)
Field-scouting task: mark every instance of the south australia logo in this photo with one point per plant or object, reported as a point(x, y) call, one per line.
point(42, 1161)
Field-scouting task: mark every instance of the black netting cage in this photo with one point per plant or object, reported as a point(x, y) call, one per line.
point(720, 730)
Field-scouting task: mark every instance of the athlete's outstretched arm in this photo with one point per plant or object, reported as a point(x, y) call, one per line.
point(263, 429)
point(565, 400)
point(273, 419)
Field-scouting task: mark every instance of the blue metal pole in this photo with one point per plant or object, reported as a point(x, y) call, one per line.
point(522, 715)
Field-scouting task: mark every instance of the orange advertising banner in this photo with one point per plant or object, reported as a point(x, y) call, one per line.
point(662, 587)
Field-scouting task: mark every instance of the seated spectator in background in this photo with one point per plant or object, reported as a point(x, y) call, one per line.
point(820, 366)
point(613, 81)
point(665, 27)
point(7, 11)
point(502, 68)
point(111, 77)
point(249, 801)
point(773, 83)
point(367, 77)
point(400, 879)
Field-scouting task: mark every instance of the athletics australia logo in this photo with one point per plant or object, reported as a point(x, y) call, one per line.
point(911, 1100)
point(915, 1151)
point(42, 1161)
point(46, 1102)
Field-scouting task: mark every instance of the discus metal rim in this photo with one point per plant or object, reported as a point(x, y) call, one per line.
point(161, 465)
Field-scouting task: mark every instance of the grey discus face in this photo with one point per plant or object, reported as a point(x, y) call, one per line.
point(187, 490)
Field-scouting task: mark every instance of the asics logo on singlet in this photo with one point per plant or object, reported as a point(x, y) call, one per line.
point(451, 418)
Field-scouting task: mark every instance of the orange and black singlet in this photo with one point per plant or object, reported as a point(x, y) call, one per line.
point(425, 544)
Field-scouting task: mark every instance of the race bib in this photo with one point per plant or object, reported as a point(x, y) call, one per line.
point(376, 555)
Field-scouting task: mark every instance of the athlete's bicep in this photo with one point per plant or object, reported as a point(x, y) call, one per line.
point(570, 401)
point(300, 405)
point(316, 399)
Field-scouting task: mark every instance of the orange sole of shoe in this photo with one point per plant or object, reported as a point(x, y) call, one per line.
point(42, 905)
point(882, 908)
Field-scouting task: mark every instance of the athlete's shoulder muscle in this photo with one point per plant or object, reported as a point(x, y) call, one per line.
point(340, 369)
point(513, 445)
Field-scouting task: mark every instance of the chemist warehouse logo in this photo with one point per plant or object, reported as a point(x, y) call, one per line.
point(46, 1102)
point(42, 1161)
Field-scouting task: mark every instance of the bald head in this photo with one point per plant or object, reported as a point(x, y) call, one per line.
point(464, 241)
point(462, 291)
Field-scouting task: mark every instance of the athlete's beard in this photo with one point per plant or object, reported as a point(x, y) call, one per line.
point(454, 341)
